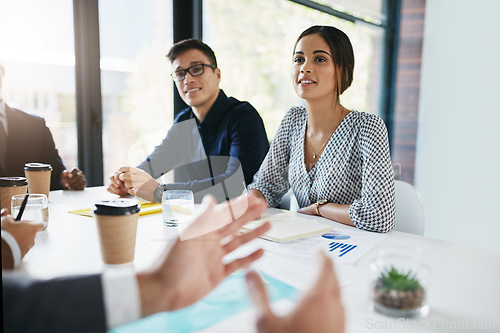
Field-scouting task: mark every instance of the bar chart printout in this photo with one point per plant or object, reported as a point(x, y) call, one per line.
point(347, 244)
point(341, 248)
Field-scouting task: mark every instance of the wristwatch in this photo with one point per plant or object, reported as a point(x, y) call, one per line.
point(158, 193)
point(320, 203)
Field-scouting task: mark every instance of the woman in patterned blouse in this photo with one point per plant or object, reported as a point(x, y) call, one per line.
point(336, 160)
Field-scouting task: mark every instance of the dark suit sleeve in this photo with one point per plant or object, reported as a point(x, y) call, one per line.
point(50, 155)
point(30, 140)
point(69, 304)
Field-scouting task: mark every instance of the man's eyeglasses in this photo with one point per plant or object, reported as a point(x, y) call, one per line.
point(195, 70)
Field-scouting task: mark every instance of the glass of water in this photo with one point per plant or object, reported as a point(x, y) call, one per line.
point(177, 207)
point(36, 208)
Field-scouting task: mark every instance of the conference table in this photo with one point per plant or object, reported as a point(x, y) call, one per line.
point(463, 291)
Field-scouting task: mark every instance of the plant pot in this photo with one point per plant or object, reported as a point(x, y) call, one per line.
point(399, 283)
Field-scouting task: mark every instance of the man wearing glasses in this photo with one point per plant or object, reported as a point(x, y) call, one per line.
point(222, 126)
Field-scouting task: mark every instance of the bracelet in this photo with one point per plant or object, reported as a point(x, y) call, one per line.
point(320, 203)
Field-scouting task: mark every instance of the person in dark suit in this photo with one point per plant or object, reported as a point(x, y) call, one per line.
point(189, 270)
point(25, 138)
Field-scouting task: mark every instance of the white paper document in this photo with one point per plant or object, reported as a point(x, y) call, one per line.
point(347, 244)
point(286, 227)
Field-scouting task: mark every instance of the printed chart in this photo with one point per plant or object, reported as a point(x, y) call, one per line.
point(348, 244)
point(343, 249)
point(335, 235)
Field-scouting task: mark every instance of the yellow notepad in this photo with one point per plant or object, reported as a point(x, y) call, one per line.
point(286, 227)
point(146, 209)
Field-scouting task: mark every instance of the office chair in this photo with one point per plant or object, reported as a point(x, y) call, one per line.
point(409, 212)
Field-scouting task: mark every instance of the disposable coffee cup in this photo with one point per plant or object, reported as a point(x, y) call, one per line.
point(117, 228)
point(38, 175)
point(10, 186)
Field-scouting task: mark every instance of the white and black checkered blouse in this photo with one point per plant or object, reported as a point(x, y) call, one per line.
point(355, 168)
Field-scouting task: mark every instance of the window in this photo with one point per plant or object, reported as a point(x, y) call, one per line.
point(136, 86)
point(254, 53)
point(368, 10)
point(37, 51)
point(253, 41)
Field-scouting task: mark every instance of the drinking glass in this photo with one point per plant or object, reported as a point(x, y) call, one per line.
point(36, 208)
point(177, 207)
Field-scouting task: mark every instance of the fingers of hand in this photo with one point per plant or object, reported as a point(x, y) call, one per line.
point(203, 221)
point(234, 265)
point(246, 237)
point(115, 180)
point(257, 291)
point(124, 169)
point(327, 276)
point(77, 178)
point(74, 180)
point(112, 188)
point(120, 179)
point(124, 176)
point(6, 218)
point(255, 208)
point(37, 226)
point(208, 203)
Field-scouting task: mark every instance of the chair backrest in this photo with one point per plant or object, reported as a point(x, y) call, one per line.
point(409, 212)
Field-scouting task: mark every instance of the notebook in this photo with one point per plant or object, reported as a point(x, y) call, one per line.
point(286, 227)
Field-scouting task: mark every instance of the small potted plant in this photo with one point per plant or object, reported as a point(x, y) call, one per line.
point(398, 287)
point(395, 290)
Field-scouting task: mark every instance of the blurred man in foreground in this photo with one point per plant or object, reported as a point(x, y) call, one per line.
point(184, 274)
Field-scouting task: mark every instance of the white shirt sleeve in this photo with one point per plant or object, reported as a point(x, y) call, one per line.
point(121, 296)
point(14, 247)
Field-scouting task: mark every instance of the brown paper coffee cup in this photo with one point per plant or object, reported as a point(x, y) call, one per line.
point(38, 175)
point(117, 228)
point(10, 186)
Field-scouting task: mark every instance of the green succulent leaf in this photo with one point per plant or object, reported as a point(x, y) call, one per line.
point(392, 279)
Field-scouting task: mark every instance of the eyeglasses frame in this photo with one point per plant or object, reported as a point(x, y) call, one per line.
point(176, 78)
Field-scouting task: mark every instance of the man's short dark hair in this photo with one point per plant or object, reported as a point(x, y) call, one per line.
point(189, 44)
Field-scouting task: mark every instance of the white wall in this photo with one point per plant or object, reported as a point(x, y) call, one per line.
point(458, 144)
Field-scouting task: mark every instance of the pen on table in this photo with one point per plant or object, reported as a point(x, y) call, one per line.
point(23, 206)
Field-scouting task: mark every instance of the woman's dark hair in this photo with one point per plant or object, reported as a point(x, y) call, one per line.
point(189, 44)
point(342, 53)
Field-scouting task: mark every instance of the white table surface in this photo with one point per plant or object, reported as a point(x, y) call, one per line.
point(464, 290)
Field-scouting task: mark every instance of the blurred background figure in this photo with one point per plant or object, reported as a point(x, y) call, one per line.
point(25, 138)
